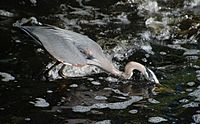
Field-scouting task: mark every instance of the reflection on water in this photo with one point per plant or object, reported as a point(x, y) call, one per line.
point(163, 35)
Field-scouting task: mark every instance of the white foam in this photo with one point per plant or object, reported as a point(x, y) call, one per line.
point(196, 118)
point(111, 79)
point(148, 6)
point(6, 77)
point(123, 18)
point(49, 91)
point(33, 2)
point(95, 83)
point(191, 84)
point(73, 85)
point(116, 105)
point(40, 102)
point(151, 100)
point(191, 105)
point(183, 100)
point(100, 98)
point(6, 13)
point(147, 48)
point(72, 71)
point(156, 119)
point(191, 52)
point(195, 93)
point(104, 122)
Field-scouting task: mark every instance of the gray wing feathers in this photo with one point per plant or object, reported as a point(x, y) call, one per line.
point(59, 43)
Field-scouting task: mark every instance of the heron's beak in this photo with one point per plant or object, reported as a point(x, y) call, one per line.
point(152, 77)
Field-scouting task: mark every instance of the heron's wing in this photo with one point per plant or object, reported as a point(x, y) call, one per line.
point(58, 43)
point(88, 48)
point(35, 38)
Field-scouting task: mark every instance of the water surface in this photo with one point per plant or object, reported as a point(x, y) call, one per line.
point(163, 35)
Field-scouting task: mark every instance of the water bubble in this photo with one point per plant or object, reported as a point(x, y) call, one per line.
point(144, 59)
point(189, 90)
point(151, 100)
point(27, 119)
point(191, 84)
point(73, 85)
point(133, 111)
point(90, 79)
point(40, 50)
point(163, 53)
point(156, 119)
point(49, 91)
point(17, 41)
point(95, 83)
point(183, 100)
point(100, 98)
point(2, 109)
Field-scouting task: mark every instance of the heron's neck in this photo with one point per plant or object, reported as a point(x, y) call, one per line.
point(128, 71)
point(116, 72)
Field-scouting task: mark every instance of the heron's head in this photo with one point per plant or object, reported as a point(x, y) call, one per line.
point(148, 74)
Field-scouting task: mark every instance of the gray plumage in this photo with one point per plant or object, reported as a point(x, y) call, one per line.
point(76, 49)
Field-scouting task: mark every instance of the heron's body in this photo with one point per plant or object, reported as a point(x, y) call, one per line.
point(75, 49)
point(69, 47)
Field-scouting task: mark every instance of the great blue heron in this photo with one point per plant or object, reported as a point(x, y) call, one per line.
point(71, 48)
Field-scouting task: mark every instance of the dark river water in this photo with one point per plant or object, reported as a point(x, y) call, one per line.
point(162, 35)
